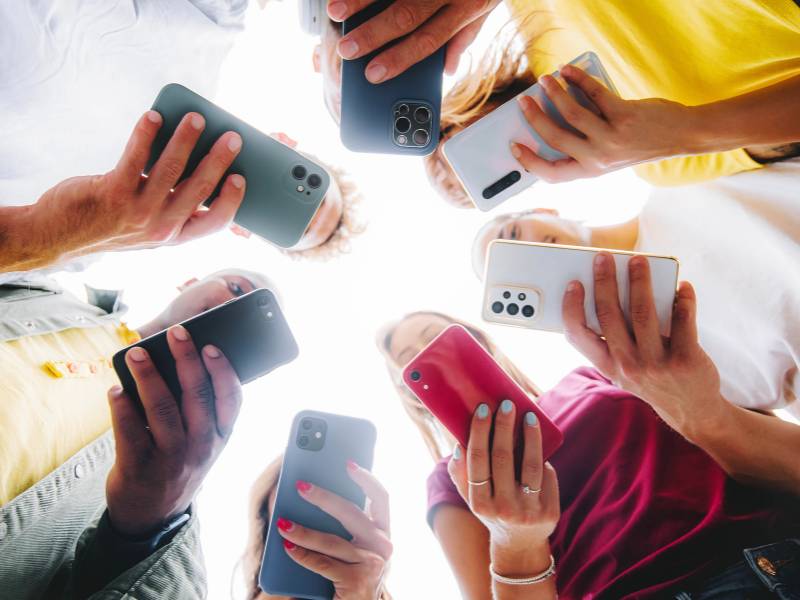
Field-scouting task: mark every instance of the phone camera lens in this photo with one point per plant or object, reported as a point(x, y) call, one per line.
point(497, 307)
point(402, 109)
point(422, 115)
point(262, 301)
point(306, 424)
point(314, 181)
point(512, 309)
point(416, 375)
point(299, 172)
point(402, 124)
point(506, 295)
point(420, 137)
point(527, 311)
point(303, 441)
point(521, 297)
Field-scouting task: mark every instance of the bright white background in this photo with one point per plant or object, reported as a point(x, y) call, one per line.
point(415, 255)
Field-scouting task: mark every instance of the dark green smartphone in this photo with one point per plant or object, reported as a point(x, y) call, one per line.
point(284, 188)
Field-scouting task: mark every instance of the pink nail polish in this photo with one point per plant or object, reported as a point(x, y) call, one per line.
point(285, 524)
point(303, 486)
point(288, 545)
point(352, 465)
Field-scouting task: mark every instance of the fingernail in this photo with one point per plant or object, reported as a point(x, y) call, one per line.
point(637, 263)
point(353, 465)
point(573, 287)
point(212, 352)
point(337, 10)
point(153, 116)
point(288, 545)
point(180, 333)
point(515, 151)
point(600, 261)
point(506, 406)
point(302, 486)
point(530, 419)
point(237, 181)
point(198, 122)
point(234, 143)
point(375, 73)
point(524, 101)
point(137, 354)
point(347, 48)
point(115, 390)
point(457, 452)
point(483, 411)
point(285, 524)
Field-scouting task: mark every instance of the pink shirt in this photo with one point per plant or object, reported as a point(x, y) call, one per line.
point(643, 511)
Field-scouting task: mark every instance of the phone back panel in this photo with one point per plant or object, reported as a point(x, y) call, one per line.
point(251, 332)
point(272, 208)
point(367, 117)
point(346, 438)
point(480, 155)
point(543, 271)
point(456, 374)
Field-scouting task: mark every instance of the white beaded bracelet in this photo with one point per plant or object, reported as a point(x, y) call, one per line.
point(544, 575)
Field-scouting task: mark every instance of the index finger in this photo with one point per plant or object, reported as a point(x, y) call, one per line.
point(137, 151)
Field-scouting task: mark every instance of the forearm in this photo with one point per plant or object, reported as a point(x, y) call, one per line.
point(751, 447)
point(769, 116)
point(517, 564)
point(465, 543)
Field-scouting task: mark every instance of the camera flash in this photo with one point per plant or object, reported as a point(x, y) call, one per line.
point(300, 188)
point(425, 387)
point(402, 139)
point(269, 315)
point(318, 435)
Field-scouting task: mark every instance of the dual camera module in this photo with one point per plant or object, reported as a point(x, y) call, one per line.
point(512, 308)
point(312, 181)
point(311, 434)
point(412, 124)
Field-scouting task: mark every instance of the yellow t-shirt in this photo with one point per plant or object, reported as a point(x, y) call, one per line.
point(53, 399)
point(689, 51)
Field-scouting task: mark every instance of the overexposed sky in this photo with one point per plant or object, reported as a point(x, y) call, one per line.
point(415, 255)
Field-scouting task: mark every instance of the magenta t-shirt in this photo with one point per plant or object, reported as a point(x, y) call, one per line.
point(643, 511)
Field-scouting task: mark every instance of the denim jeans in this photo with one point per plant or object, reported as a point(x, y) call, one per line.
point(770, 572)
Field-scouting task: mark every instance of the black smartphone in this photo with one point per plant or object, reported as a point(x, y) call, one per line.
point(250, 330)
point(320, 444)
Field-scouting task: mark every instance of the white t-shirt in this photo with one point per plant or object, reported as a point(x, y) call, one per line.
point(738, 242)
point(75, 75)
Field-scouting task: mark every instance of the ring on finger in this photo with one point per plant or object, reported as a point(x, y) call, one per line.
point(526, 489)
point(478, 483)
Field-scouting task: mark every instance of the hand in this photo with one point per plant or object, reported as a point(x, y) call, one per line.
point(356, 568)
point(429, 24)
point(165, 451)
point(125, 210)
point(625, 133)
point(519, 523)
point(674, 375)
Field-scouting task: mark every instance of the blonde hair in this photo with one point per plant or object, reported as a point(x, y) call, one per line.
point(500, 74)
point(436, 438)
point(350, 224)
point(258, 518)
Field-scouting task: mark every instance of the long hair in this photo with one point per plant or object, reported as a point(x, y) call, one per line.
point(436, 438)
point(258, 525)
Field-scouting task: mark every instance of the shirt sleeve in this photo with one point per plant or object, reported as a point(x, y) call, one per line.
point(441, 490)
point(683, 170)
point(175, 570)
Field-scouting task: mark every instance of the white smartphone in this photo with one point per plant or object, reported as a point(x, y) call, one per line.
point(524, 283)
point(480, 155)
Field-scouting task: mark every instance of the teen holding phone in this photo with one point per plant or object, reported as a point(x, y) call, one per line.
point(643, 512)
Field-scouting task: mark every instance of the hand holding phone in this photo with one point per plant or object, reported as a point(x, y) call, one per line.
point(454, 374)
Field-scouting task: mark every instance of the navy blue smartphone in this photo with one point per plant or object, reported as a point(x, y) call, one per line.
point(320, 444)
point(398, 116)
point(250, 330)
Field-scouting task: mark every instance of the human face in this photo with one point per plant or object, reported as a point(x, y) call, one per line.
point(328, 63)
point(325, 221)
point(199, 295)
point(412, 334)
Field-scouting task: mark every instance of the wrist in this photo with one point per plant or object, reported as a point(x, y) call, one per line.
point(708, 128)
point(519, 560)
point(713, 423)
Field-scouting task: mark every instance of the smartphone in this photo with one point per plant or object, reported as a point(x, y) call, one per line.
point(480, 155)
point(320, 444)
point(249, 330)
point(284, 188)
point(454, 374)
point(524, 283)
point(398, 116)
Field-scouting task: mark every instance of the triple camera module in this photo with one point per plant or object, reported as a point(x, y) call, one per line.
point(412, 124)
point(312, 181)
point(311, 434)
point(513, 303)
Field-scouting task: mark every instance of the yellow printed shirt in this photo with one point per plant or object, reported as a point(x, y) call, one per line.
point(55, 371)
point(687, 51)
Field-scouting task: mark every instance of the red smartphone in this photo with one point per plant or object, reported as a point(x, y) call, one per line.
point(454, 374)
